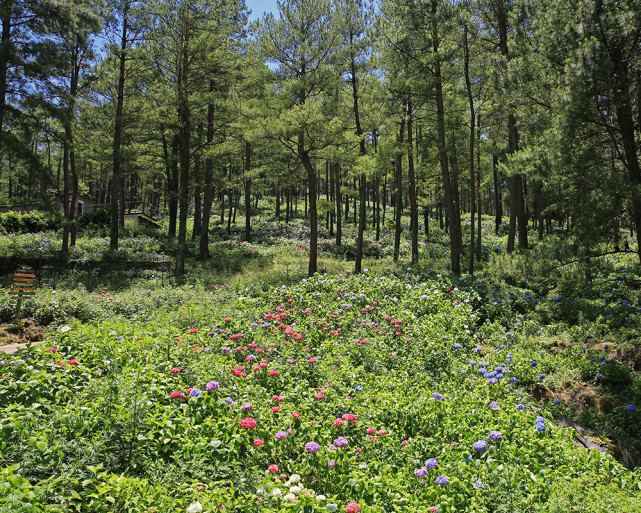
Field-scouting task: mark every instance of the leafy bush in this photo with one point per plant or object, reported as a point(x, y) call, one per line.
point(30, 222)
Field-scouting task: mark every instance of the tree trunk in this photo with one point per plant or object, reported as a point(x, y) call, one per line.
point(313, 213)
point(470, 99)
point(412, 180)
point(120, 100)
point(478, 188)
point(498, 203)
point(442, 150)
point(248, 184)
point(398, 193)
point(207, 192)
point(339, 222)
point(184, 150)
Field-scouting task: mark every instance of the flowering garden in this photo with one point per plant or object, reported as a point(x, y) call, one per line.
point(380, 392)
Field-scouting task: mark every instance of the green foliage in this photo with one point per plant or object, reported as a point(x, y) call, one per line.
point(29, 222)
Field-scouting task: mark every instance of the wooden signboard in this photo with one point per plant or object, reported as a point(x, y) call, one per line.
point(24, 281)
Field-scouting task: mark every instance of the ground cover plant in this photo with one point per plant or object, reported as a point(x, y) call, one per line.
point(376, 392)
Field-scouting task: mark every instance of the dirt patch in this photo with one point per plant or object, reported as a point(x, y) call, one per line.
point(22, 333)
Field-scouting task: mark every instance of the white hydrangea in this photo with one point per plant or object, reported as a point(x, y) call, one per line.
point(321, 497)
point(295, 489)
point(289, 497)
point(196, 507)
point(294, 478)
point(331, 507)
point(276, 492)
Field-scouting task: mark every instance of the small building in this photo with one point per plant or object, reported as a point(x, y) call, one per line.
point(85, 204)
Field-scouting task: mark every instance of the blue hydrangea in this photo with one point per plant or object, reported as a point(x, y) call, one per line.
point(495, 436)
point(539, 426)
point(631, 407)
point(431, 463)
point(480, 446)
point(438, 397)
point(442, 480)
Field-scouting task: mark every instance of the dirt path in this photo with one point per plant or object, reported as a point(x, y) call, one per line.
point(12, 348)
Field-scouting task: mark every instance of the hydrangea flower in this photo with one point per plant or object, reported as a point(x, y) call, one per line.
point(480, 446)
point(352, 507)
point(312, 447)
point(438, 397)
point(341, 441)
point(495, 436)
point(212, 386)
point(431, 463)
point(494, 405)
point(421, 472)
point(442, 480)
point(248, 423)
point(631, 407)
point(280, 435)
point(195, 392)
point(539, 426)
point(478, 485)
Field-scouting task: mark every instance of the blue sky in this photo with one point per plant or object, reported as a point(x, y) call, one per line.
point(260, 6)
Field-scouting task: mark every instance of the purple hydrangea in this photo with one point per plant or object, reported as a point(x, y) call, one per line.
point(195, 392)
point(478, 485)
point(495, 436)
point(280, 435)
point(431, 463)
point(480, 446)
point(331, 463)
point(212, 386)
point(229, 400)
point(519, 406)
point(438, 397)
point(421, 472)
point(341, 441)
point(246, 407)
point(494, 405)
point(442, 480)
point(312, 447)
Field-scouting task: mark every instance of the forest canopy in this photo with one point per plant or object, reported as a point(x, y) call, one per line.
point(443, 109)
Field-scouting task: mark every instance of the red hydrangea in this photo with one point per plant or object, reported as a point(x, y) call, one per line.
point(273, 469)
point(248, 423)
point(352, 507)
point(177, 395)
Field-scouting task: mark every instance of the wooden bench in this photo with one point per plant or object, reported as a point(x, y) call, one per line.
point(23, 286)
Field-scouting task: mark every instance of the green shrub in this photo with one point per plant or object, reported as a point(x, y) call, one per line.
point(30, 222)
